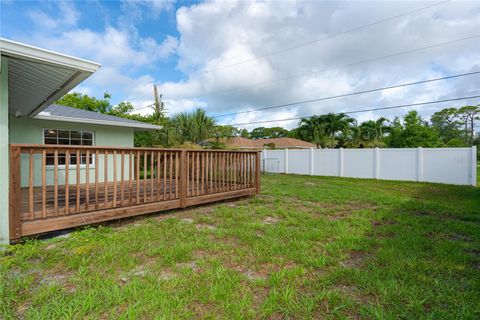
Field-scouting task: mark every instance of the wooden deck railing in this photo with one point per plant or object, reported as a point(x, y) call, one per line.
point(57, 187)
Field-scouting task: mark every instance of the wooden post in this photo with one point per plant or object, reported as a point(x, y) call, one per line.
point(31, 185)
point(257, 172)
point(183, 178)
point(15, 194)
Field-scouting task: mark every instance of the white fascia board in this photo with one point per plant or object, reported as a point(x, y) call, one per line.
point(139, 125)
point(23, 51)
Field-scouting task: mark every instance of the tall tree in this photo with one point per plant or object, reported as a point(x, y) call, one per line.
point(83, 101)
point(447, 123)
point(336, 123)
point(373, 131)
point(193, 126)
point(313, 129)
point(268, 133)
point(413, 132)
point(468, 116)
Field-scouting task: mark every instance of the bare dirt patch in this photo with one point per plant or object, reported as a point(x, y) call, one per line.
point(356, 259)
point(188, 265)
point(270, 220)
point(338, 211)
point(353, 293)
point(202, 226)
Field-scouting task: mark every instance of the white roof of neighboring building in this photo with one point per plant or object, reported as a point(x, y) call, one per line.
point(38, 77)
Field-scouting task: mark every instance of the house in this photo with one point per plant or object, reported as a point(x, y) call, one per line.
point(62, 167)
point(276, 143)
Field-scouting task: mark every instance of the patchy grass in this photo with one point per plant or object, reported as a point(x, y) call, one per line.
point(308, 247)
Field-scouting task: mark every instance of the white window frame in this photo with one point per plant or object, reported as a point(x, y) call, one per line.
point(70, 166)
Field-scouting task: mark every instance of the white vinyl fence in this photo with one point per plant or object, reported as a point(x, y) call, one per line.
point(441, 165)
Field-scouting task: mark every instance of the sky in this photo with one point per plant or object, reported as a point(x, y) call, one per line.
point(233, 56)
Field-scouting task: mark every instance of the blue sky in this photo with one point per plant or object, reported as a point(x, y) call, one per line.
point(173, 43)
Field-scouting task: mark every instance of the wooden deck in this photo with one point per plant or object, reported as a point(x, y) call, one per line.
point(139, 181)
point(150, 190)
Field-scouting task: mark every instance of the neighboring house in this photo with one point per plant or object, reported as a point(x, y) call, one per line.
point(62, 167)
point(277, 143)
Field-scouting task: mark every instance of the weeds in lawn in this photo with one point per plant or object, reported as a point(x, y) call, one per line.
point(308, 247)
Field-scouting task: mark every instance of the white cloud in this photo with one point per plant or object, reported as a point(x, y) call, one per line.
point(143, 9)
point(217, 34)
point(67, 17)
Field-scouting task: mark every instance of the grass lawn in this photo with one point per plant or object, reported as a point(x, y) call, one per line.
point(308, 247)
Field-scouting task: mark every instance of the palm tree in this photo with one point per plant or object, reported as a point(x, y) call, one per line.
point(193, 126)
point(313, 129)
point(374, 131)
point(336, 123)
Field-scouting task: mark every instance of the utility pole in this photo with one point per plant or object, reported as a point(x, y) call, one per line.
point(159, 106)
point(157, 99)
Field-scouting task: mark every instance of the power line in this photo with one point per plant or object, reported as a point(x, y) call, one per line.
point(349, 94)
point(341, 66)
point(363, 110)
point(325, 38)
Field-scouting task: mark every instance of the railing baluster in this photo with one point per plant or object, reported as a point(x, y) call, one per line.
point(55, 182)
point(206, 164)
point(171, 175)
point(164, 175)
point(77, 180)
point(252, 172)
point(199, 173)
point(31, 185)
point(187, 171)
point(137, 177)
point(215, 187)
point(105, 179)
point(114, 178)
point(97, 163)
point(183, 177)
point(44, 183)
point(234, 171)
point(257, 172)
point(158, 176)
point(130, 175)
point(210, 172)
point(144, 177)
point(87, 180)
point(224, 171)
point(122, 172)
point(177, 167)
point(152, 172)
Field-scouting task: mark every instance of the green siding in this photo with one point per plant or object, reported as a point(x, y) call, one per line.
point(4, 225)
point(31, 131)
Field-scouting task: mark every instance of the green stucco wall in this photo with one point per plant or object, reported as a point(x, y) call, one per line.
point(31, 131)
point(4, 237)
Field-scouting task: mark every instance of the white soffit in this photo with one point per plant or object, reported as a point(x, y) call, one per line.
point(39, 77)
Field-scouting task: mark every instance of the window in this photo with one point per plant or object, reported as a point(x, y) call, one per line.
point(68, 137)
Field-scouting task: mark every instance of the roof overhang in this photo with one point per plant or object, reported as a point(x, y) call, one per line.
point(139, 126)
point(38, 77)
